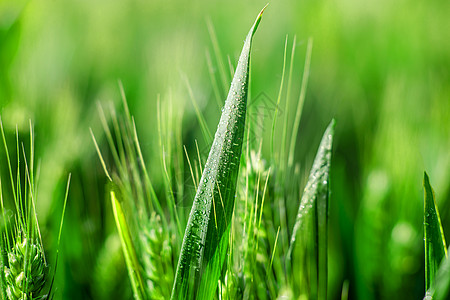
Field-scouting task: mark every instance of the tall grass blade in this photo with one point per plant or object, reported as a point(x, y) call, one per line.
point(315, 198)
point(435, 249)
point(128, 249)
point(205, 242)
point(318, 183)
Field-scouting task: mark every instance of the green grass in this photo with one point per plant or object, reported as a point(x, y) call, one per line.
point(205, 241)
point(230, 247)
point(25, 271)
point(381, 74)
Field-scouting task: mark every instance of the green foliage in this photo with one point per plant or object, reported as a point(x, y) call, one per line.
point(25, 273)
point(144, 238)
point(381, 74)
point(315, 198)
point(249, 271)
point(128, 249)
point(157, 256)
point(239, 232)
point(317, 189)
point(205, 241)
point(435, 248)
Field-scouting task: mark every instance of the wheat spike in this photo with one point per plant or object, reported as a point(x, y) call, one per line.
point(27, 271)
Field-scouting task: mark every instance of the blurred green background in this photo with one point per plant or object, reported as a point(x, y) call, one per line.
point(381, 68)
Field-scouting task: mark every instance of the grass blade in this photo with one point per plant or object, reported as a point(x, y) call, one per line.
point(315, 198)
point(128, 248)
point(321, 214)
point(205, 241)
point(317, 186)
point(435, 249)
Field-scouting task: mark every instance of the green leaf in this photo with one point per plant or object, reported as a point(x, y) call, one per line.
point(435, 249)
point(128, 248)
point(315, 199)
point(205, 240)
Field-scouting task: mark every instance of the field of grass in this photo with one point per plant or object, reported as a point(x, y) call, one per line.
point(313, 186)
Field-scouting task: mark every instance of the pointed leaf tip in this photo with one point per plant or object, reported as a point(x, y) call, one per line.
point(331, 126)
point(333, 122)
point(262, 10)
point(258, 19)
point(426, 179)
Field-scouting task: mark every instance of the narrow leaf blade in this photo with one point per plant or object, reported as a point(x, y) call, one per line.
point(323, 192)
point(435, 249)
point(128, 248)
point(318, 183)
point(205, 241)
point(315, 199)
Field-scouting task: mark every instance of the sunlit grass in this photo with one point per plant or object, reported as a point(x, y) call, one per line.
point(374, 68)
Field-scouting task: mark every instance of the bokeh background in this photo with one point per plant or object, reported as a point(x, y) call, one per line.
point(380, 68)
